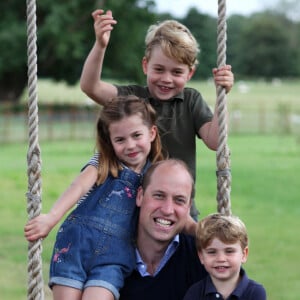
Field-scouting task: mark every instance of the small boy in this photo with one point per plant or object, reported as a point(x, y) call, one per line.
point(169, 62)
point(222, 245)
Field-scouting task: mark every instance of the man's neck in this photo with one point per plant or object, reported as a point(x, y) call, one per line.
point(151, 252)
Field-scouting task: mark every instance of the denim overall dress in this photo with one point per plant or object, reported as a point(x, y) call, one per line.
point(94, 245)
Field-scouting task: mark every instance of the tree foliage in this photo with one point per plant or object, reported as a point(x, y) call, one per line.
point(265, 44)
point(263, 48)
point(126, 48)
point(204, 28)
point(13, 61)
point(64, 37)
point(67, 35)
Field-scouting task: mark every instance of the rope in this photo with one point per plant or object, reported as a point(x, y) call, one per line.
point(34, 268)
point(35, 277)
point(223, 152)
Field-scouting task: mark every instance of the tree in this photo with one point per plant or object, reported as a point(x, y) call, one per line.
point(13, 61)
point(204, 28)
point(235, 28)
point(65, 36)
point(124, 56)
point(265, 44)
point(64, 52)
point(264, 48)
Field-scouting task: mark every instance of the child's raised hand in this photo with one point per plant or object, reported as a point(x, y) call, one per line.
point(38, 227)
point(103, 25)
point(223, 76)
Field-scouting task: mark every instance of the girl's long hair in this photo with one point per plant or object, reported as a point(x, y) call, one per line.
point(115, 110)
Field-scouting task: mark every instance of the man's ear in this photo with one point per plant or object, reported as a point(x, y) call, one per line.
point(145, 65)
point(139, 197)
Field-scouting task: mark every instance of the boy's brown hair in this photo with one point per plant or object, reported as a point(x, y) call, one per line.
point(228, 229)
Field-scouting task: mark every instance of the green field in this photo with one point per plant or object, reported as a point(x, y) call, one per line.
point(265, 194)
point(265, 163)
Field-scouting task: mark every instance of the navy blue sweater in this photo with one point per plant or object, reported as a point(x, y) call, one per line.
point(171, 283)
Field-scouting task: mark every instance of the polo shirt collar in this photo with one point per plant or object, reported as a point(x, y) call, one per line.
point(179, 96)
point(238, 291)
point(244, 281)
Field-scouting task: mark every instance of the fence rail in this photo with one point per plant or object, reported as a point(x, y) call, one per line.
point(55, 122)
point(58, 122)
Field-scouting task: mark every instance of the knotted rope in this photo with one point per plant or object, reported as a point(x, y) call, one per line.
point(223, 152)
point(34, 268)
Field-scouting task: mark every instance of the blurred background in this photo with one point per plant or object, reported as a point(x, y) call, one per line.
point(263, 47)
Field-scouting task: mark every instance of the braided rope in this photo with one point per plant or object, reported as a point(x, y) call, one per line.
point(34, 268)
point(223, 152)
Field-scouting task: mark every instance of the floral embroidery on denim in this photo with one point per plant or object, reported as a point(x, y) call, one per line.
point(128, 192)
point(56, 257)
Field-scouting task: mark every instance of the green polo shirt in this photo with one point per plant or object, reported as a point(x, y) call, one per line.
point(179, 120)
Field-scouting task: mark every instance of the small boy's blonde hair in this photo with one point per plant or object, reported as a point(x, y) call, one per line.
point(228, 229)
point(175, 40)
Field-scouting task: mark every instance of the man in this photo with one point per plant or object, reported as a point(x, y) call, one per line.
point(167, 261)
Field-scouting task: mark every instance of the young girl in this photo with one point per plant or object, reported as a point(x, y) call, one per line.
point(94, 249)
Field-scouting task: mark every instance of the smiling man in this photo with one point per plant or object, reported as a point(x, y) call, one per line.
point(167, 261)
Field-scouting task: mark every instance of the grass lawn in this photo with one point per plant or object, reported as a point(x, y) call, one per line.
point(265, 193)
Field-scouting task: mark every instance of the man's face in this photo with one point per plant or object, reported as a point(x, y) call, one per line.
point(165, 204)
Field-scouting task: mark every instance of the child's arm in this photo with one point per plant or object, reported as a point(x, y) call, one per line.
point(40, 226)
point(190, 226)
point(209, 132)
point(90, 81)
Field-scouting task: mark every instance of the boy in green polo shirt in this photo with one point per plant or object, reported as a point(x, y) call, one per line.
point(169, 63)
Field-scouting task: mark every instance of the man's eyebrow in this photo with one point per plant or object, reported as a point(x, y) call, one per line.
point(159, 191)
point(181, 195)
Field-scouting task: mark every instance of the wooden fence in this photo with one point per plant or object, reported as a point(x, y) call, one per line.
point(60, 122)
point(55, 123)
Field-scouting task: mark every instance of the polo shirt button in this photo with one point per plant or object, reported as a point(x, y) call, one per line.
point(217, 296)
